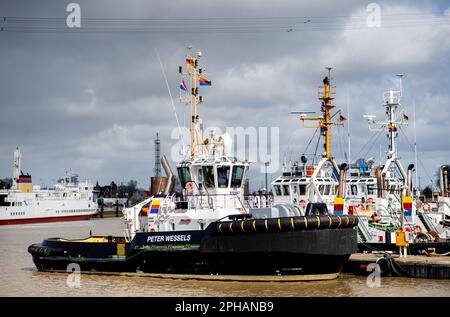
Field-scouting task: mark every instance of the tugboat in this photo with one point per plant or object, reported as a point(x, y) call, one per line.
point(444, 196)
point(209, 230)
point(383, 199)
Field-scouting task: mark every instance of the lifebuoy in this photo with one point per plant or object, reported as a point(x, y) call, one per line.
point(302, 204)
point(151, 227)
point(418, 228)
point(189, 187)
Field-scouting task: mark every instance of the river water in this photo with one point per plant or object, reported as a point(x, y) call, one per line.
point(19, 277)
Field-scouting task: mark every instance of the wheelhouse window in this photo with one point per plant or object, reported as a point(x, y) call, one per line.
point(392, 188)
point(286, 190)
point(321, 189)
point(302, 190)
point(277, 190)
point(371, 189)
point(223, 176)
point(185, 175)
point(363, 189)
point(208, 174)
point(354, 190)
point(237, 176)
point(200, 175)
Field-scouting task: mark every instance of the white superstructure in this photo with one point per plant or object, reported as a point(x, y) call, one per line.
point(68, 199)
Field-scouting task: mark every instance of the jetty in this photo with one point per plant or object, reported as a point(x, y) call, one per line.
point(419, 266)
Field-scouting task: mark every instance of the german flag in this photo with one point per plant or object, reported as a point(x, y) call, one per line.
point(190, 62)
point(392, 128)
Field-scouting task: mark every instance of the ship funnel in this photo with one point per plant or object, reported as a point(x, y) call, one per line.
point(16, 167)
point(342, 180)
point(445, 183)
point(380, 182)
point(170, 178)
point(409, 187)
point(443, 180)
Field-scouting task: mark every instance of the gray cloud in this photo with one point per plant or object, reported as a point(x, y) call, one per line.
point(93, 102)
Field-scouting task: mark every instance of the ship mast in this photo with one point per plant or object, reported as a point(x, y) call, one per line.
point(193, 74)
point(325, 122)
point(391, 100)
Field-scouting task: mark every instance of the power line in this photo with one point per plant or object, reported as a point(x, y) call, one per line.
point(214, 24)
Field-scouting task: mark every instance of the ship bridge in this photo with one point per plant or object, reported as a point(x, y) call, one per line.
point(217, 182)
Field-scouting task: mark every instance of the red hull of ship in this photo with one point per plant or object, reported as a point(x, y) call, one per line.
point(46, 219)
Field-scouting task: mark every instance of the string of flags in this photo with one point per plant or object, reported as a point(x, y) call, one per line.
point(192, 62)
point(203, 82)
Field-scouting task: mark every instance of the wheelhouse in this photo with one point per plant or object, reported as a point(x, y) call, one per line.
point(221, 179)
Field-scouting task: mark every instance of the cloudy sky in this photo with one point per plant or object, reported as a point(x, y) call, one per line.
point(92, 99)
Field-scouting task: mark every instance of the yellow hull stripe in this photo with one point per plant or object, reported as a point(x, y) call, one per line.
point(279, 224)
point(254, 225)
point(242, 226)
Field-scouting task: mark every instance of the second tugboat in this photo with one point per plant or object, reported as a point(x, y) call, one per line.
point(208, 230)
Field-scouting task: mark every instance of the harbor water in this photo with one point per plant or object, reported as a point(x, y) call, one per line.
point(19, 277)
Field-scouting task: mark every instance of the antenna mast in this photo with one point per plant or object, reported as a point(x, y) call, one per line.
point(194, 74)
point(391, 100)
point(326, 120)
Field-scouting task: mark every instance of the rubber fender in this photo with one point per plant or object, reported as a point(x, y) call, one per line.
point(40, 250)
point(286, 224)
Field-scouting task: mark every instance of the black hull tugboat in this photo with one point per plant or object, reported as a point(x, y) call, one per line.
point(315, 247)
point(209, 230)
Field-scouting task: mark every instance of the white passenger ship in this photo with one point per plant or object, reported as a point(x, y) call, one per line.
point(68, 200)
